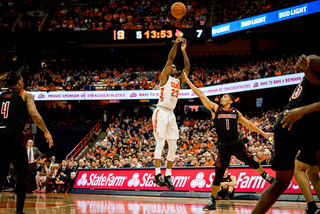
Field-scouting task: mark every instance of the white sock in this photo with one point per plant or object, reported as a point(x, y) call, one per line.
point(158, 171)
point(168, 172)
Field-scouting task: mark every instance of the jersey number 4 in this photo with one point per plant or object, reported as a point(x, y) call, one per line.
point(5, 109)
point(174, 93)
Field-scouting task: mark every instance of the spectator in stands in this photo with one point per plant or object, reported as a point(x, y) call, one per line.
point(82, 165)
point(149, 162)
point(92, 87)
point(210, 161)
point(99, 143)
point(86, 87)
point(186, 122)
point(260, 156)
point(194, 162)
point(235, 160)
point(143, 161)
point(202, 161)
point(93, 165)
point(177, 162)
point(116, 163)
point(163, 162)
point(268, 158)
point(109, 164)
point(127, 163)
point(189, 159)
point(135, 163)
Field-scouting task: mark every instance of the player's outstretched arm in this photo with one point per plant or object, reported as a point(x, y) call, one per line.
point(311, 67)
point(251, 126)
point(205, 101)
point(171, 56)
point(36, 117)
point(186, 62)
point(297, 113)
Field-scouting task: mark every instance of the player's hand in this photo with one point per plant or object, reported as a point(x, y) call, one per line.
point(268, 135)
point(303, 62)
point(292, 116)
point(184, 45)
point(48, 137)
point(179, 39)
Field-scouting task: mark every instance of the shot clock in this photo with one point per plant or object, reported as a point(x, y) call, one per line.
point(160, 34)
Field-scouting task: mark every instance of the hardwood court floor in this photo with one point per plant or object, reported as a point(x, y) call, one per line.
point(40, 203)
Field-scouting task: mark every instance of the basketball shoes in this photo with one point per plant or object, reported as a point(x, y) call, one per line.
point(159, 180)
point(167, 180)
point(210, 206)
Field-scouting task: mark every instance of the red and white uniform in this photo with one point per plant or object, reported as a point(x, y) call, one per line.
point(163, 118)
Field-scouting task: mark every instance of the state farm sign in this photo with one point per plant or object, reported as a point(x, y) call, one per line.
point(184, 179)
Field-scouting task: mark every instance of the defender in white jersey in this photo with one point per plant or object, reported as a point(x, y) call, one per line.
point(164, 121)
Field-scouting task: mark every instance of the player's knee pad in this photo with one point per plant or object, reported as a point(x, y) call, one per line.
point(160, 144)
point(172, 144)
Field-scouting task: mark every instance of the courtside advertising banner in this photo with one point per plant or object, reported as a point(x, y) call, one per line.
point(184, 179)
point(250, 85)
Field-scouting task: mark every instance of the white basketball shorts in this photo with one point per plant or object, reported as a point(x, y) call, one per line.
point(164, 124)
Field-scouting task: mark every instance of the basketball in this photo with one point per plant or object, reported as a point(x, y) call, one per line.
point(178, 10)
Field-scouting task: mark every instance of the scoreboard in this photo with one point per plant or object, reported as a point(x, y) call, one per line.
point(157, 34)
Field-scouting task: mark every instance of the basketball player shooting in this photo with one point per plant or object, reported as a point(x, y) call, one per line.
point(164, 121)
point(226, 120)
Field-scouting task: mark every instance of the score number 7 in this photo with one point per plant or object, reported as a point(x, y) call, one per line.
point(199, 33)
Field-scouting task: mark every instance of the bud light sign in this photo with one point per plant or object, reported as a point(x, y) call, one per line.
point(183, 179)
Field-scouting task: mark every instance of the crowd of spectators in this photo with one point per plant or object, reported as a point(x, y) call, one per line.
point(232, 10)
point(10, 11)
point(104, 15)
point(52, 78)
point(130, 143)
